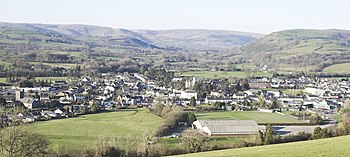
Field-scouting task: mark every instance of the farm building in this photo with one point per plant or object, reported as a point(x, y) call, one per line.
point(228, 127)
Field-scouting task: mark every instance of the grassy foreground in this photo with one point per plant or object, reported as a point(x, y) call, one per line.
point(83, 131)
point(259, 117)
point(337, 146)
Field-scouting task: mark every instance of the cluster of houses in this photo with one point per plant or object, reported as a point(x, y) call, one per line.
point(80, 95)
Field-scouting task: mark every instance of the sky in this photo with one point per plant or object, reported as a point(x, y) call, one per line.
point(259, 16)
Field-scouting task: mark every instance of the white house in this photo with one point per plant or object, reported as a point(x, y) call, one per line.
point(188, 94)
point(314, 91)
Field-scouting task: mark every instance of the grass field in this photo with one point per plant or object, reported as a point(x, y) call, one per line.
point(338, 68)
point(63, 65)
point(223, 74)
point(2, 80)
point(259, 117)
point(5, 64)
point(337, 146)
point(52, 78)
point(83, 131)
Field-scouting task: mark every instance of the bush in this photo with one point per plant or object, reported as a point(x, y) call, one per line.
point(301, 136)
point(315, 119)
point(320, 133)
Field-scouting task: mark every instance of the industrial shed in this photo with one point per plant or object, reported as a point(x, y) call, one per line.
point(228, 127)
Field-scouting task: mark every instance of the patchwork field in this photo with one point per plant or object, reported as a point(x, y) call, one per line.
point(259, 117)
point(338, 68)
point(52, 78)
point(83, 131)
point(54, 65)
point(337, 146)
point(5, 64)
point(224, 74)
point(2, 80)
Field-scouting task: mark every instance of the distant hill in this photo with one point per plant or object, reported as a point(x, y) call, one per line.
point(337, 146)
point(199, 38)
point(301, 47)
point(185, 39)
point(72, 37)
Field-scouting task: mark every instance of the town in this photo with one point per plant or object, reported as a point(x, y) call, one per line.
point(174, 78)
point(76, 96)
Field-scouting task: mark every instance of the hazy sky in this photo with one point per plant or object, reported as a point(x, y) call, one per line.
point(261, 16)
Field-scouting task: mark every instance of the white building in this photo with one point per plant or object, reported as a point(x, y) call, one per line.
point(314, 91)
point(190, 83)
point(228, 127)
point(188, 94)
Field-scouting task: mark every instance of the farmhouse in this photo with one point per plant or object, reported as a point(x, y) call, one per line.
point(228, 127)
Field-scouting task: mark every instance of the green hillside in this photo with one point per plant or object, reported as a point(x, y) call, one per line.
point(337, 146)
point(311, 49)
point(338, 68)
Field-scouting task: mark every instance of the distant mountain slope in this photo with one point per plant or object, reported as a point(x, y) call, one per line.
point(301, 48)
point(185, 39)
point(199, 38)
point(31, 37)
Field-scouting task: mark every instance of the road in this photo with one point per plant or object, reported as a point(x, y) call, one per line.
point(287, 130)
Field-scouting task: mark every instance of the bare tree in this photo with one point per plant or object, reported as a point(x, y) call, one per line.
point(17, 141)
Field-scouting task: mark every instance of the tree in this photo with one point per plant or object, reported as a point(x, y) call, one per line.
point(315, 119)
point(262, 101)
point(317, 134)
point(321, 133)
point(17, 141)
point(157, 108)
point(346, 122)
point(193, 102)
point(2, 102)
point(94, 107)
point(196, 143)
point(274, 105)
point(143, 69)
point(261, 137)
point(245, 85)
point(238, 87)
point(268, 135)
point(26, 83)
point(246, 103)
point(190, 117)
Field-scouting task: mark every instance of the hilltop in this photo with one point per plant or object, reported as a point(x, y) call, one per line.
point(313, 49)
point(290, 50)
point(185, 39)
point(199, 38)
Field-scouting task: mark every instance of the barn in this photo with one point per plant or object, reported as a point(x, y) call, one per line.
point(228, 127)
